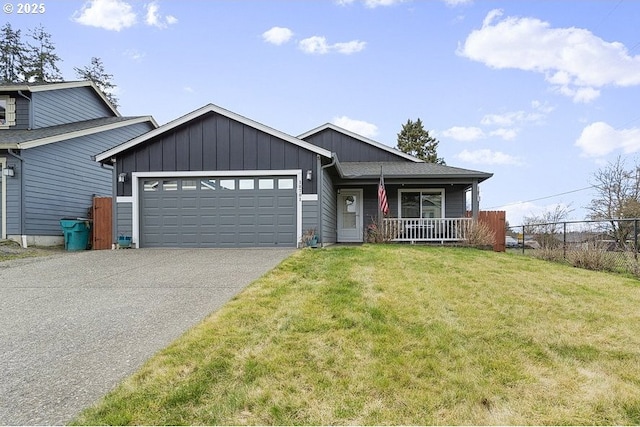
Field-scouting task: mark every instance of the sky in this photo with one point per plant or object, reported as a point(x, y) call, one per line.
point(542, 94)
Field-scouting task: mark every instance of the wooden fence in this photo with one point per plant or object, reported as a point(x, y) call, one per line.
point(495, 220)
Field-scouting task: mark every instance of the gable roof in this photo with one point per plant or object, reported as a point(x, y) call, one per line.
point(23, 139)
point(371, 170)
point(210, 108)
point(47, 86)
point(360, 138)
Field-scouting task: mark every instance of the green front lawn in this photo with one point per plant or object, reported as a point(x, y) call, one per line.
point(399, 334)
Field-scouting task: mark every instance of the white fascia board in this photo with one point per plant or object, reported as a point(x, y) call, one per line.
point(361, 138)
point(189, 174)
point(84, 132)
point(204, 110)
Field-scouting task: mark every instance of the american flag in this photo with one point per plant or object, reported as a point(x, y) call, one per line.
point(383, 204)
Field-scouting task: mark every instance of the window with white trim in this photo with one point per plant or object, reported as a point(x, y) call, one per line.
point(421, 203)
point(7, 111)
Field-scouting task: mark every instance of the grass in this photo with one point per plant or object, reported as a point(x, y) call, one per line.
point(398, 334)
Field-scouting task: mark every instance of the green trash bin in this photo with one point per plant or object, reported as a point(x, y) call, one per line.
point(76, 233)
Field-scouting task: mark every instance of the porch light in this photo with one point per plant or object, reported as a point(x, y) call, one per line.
point(309, 175)
point(8, 171)
point(122, 177)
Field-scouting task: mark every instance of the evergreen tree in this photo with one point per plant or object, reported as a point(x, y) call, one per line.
point(12, 55)
point(96, 73)
point(413, 139)
point(41, 61)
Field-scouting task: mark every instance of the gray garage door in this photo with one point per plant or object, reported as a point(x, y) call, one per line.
point(218, 212)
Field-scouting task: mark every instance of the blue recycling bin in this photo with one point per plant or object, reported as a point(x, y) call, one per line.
point(76, 233)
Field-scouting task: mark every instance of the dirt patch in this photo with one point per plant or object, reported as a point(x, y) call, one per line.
point(12, 250)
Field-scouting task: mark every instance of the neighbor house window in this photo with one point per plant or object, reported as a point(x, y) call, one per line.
point(7, 111)
point(421, 203)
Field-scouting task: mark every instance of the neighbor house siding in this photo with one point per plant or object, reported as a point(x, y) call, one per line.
point(56, 107)
point(14, 192)
point(62, 178)
point(351, 149)
point(214, 142)
point(329, 210)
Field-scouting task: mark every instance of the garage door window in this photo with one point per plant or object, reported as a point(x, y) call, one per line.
point(246, 184)
point(227, 184)
point(265, 184)
point(188, 184)
point(285, 183)
point(208, 184)
point(150, 186)
point(170, 185)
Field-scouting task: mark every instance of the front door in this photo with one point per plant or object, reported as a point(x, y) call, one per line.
point(350, 216)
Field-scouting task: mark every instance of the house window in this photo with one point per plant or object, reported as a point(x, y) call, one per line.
point(150, 186)
point(421, 203)
point(265, 184)
point(7, 111)
point(170, 185)
point(188, 184)
point(285, 183)
point(208, 184)
point(227, 184)
point(246, 184)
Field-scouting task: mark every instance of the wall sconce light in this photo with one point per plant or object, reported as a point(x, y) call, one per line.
point(122, 177)
point(8, 171)
point(309, 175)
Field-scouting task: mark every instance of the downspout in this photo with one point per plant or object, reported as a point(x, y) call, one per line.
point(23, 236)
point(321, 193)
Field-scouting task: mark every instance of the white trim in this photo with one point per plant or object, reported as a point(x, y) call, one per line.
point(441, 191)
point(84, 132)
point(3, 164)
point(124, 199)
point(210, 108)
point(309, 197)
point(361, 138)
point(135, 190)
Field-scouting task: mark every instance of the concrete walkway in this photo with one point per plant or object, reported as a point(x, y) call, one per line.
point(73, 325)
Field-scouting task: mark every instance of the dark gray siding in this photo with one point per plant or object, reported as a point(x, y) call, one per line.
point(351, 149)
point(13, 197)
point(62, 178)
point(215, 143)
point(329, 210)
point(56, 107)
point(310, 215)
point(124, 219)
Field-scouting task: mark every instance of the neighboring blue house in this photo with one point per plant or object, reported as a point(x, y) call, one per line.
point(49, 135)
point(214, 178)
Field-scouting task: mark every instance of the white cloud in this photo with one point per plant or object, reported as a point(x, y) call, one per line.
point(510, 118)
point(599, 139)
point(574, 60)
point(460, 133)
point(487, 157)
point(277, 35)
point(506, 134)
point(108, 14)
point(134, 54)
point(360, 127)
point(315, 45)
point(454, 3)
point(318, 45)
point(154, 19)
point(349, 47)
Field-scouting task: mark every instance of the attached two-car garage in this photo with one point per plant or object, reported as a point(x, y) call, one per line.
point(218, 211)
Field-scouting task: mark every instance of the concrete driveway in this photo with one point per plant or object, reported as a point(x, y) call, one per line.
point(73, 325)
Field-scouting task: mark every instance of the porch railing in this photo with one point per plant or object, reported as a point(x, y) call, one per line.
point(426, 230)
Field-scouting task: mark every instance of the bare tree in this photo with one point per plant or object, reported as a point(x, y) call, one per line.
point(546, 226)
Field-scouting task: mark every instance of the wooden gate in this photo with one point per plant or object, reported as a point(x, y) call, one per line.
point(495, 220)
point(102, 215)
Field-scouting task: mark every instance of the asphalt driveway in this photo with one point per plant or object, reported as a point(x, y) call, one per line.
point(73, 325)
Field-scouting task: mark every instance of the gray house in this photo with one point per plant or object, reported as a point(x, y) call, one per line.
point(49, 134)
point(213, 178)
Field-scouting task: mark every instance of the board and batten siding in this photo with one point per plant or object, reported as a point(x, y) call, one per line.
point(214, 142)
point(124, 219)
point(60, 179)
point(329, 210)
point(309, 215)
point(61, 106)
point(350, 149)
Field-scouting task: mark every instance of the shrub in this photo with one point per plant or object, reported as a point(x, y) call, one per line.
point(480, 235)
point(592, 257)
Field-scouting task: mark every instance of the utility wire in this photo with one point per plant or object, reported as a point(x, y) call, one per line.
point(543, 198)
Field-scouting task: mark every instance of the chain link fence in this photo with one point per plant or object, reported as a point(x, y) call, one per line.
point(605, 245)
